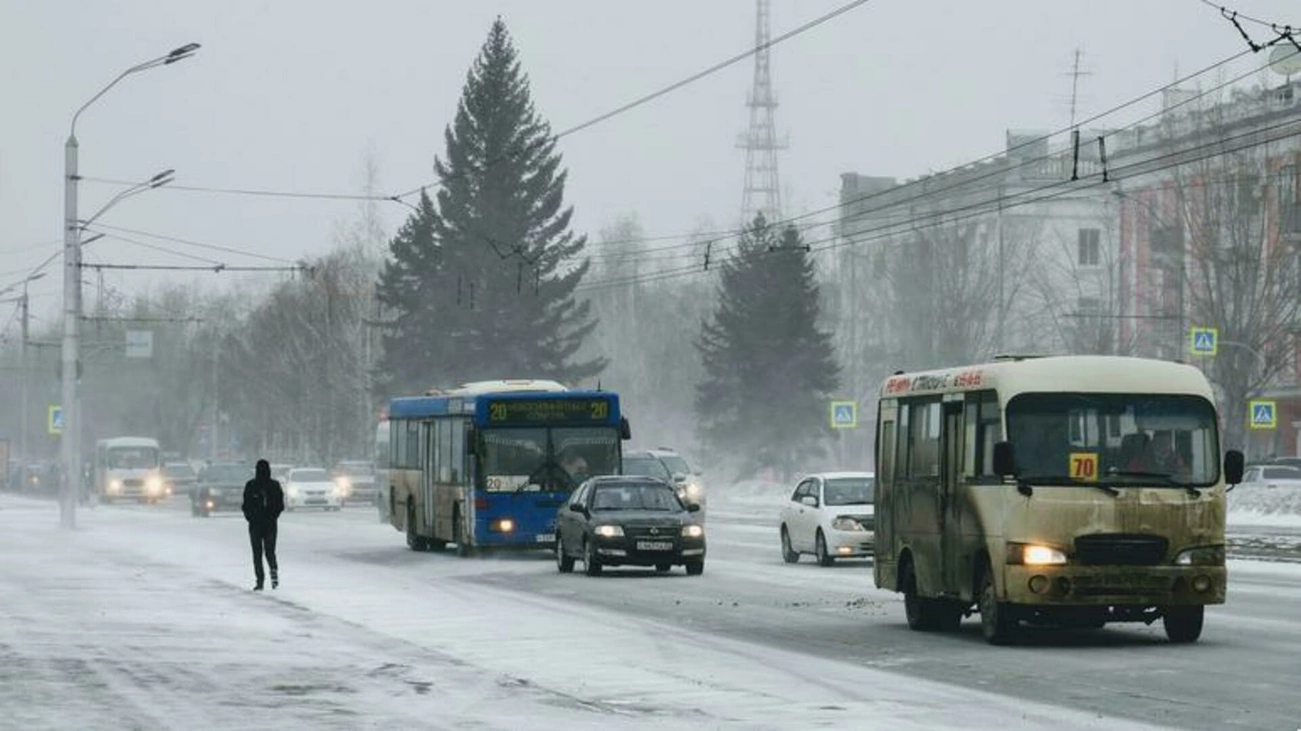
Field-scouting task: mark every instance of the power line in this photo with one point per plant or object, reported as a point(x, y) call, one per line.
point(218, 268)
point(252, 191)
point(197, 244)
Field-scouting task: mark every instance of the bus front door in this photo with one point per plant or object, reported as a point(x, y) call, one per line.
point(951, 450)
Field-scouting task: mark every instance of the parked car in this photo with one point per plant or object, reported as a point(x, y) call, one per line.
point(311, 487)
point(356, 478)
point(1287, 461)
point(628, 520)
point(687, 481)
point(830, 515)
point(1269, 475)
point(220, 487)
point(179, 478)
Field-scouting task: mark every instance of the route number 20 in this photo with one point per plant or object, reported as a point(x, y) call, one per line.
point(1084, 466)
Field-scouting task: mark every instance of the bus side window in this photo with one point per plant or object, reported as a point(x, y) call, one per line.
point(902, 440)
point(445, 450)
point(984, 430)
point(398, 444)
point(924, 457)
point(413, 445)
point(887, 453)
point(458, 451)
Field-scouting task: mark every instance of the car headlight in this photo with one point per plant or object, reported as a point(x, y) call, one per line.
point(293, 492)
point(114, 485)
point(847, 523)
point(1031, 554)
point(154, 484)
point(1201, 556)
point(609, 531)
point(693, 531)
point(343, 484)
point(694, 490)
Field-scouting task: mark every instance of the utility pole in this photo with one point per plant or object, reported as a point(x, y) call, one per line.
point(26, 376)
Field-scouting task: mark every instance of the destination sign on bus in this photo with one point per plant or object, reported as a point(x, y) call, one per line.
point(543, 411)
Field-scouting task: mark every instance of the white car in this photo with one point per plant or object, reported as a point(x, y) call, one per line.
point(311, 487)
point(830, 515)
point(1271, 476)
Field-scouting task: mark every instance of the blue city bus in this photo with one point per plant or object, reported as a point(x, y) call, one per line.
point(488, 464)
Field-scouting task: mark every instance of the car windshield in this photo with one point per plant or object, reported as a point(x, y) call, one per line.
point(552, 459)
point(676, 464)
point(227, 473)
point(132, 458)
point(1153, 440)
point(309, 476)
point(849, 490)
point(1282, 473)
point(178, 469)
point(638, 496)
point(646, 467)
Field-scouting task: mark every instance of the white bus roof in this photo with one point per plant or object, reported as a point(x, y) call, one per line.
point(481, 387)
point(128, 442)
point(1059, 374)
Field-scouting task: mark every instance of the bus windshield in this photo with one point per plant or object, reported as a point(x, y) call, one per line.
point(552, 459)
point(132, 458)
point(1144, 439)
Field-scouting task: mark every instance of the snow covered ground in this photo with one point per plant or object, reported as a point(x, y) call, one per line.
point(142, 618)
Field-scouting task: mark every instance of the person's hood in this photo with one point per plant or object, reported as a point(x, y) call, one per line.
point(262, 470)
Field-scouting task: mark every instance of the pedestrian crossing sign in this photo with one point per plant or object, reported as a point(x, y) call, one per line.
point(1263, 415)
point(1204, 340)
point(844, 414)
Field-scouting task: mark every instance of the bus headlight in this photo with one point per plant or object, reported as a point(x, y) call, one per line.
point(846, 523)
point(153, 484)
point(693, 531)
point(505, 525)
point(1201, 556)
point(609, 531)
point(1031, 554)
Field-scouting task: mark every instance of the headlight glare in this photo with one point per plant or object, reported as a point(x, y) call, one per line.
point(693, 531)
point(114, 485)
point(1031, 554)
point(847, 523)
point(1201, 556)
point(609, 531)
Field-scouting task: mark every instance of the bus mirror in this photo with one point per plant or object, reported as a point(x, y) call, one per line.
point(1004, 464)
point(625, 431)
point(1233, 466)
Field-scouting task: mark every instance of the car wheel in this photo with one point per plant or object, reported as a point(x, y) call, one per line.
point(696, 567)
point(996, 620)
point(663, 568)
point(789, 555)
point(591, 564)
point(1183, 624)
point(820, 548)
point(564, 562)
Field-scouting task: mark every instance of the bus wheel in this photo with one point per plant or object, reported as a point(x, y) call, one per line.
point(820, 548)
point(789, 555)
point(996, 619)
point(414, 541)
point(1183, 624)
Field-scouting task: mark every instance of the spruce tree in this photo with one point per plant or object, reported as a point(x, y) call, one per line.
point(481, 285)
point(770, 372)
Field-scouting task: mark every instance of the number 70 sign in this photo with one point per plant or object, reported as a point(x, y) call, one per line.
point(1084, 466)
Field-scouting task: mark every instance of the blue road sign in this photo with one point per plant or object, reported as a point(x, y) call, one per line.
point(844, 414)
point(1204, 340)
point(1263, 414)
point(55, 422)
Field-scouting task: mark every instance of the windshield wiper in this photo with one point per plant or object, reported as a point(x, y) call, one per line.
point(1061, 480)
point(1166, 478)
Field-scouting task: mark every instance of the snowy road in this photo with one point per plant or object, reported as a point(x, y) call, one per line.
point(142, 619)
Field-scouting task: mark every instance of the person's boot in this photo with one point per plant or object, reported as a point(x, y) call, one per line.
point(275, 579)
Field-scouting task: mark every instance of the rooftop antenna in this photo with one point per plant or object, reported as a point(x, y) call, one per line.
point(1076, 72)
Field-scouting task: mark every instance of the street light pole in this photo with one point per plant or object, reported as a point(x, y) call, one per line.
point(70, 446)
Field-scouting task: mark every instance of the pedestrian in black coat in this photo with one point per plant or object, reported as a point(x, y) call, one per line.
point(264, 501)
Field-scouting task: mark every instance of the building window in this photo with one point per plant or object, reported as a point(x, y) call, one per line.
point(1090, 248)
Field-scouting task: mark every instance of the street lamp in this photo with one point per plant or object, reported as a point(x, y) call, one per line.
point(71, 447)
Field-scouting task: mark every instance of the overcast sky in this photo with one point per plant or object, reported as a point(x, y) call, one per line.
point(294, 95)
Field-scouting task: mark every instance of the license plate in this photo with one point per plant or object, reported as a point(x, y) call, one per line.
point(546, 538)
point(654, 545)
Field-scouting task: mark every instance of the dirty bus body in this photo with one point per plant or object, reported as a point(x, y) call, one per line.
point(487, 465)
point(1065, 491)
